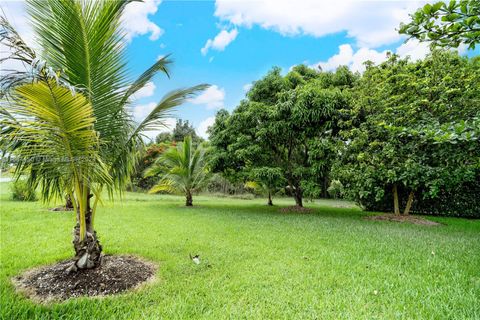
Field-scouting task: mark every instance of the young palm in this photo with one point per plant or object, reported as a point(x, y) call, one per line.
point(66, 118)
point(183, 168)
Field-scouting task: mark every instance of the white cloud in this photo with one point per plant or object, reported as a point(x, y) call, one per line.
point(139, 112)
point(220, 42)
point(136, 22)
point(247, 86)
point(203, 127)
point(414, 49)
point(354, 60)
point(371, 23)
point(161, 56)
point(212, 98)
point(147, 91)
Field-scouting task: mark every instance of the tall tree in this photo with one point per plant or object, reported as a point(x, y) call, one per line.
point(183, 168)
point(66, 118)
point(278, 122)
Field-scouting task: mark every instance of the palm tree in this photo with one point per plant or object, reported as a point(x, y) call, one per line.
point(184, 170)
point(266, 179)
point(66, 118)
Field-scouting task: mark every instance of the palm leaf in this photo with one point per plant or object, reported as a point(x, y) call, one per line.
point(55, 136)
point(161, 65)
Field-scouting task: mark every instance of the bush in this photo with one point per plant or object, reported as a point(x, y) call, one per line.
point(21, 191)
point(336, 190)
point(461, 201)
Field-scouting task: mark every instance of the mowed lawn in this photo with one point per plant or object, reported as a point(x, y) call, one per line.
point(257, 263)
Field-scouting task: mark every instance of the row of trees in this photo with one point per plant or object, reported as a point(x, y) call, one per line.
point(402, 130)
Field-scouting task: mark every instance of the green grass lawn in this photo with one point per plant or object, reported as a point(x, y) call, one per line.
point(330, 264)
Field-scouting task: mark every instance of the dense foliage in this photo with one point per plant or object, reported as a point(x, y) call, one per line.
point(284, 123)
point(396, 138)
point(446, 24)
point(182, 168)
point(181, 130)
point(414, 127)
point(22, 191)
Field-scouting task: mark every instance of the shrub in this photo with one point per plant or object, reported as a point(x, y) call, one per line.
point(335, 190)
point(21, 191)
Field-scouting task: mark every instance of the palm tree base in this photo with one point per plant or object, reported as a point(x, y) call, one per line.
point(88, 253)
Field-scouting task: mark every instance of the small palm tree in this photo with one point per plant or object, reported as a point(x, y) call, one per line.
point(266, 179)
point(183, 168)
point(66, 118)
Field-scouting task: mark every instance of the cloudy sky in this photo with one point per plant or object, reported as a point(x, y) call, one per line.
point(229, 44)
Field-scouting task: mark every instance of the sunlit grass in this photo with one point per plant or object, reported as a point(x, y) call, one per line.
point(256, 262)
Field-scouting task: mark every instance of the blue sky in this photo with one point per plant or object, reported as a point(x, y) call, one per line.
point(229, 44)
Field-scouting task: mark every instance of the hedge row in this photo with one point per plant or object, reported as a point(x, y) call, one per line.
point(462, 201)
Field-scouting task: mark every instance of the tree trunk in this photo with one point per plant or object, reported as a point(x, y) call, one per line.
point(298, 195)
point(88, 252)
point(68, 202)
point(325, 188)
point(395, 200)
point(270, 203)
point(189, 200)
point(409, 203)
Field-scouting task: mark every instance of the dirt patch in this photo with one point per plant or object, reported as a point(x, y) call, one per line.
point(399, 218)
point(61, 208)
point(295, 209)
point(115, 275)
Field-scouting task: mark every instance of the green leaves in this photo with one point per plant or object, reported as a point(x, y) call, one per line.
point(182, 167)
point(55, 138)
point(446, 25)
point(277, 126)
point(415, 124)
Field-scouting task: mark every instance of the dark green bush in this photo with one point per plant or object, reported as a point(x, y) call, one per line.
point(461, 201)
point(21, 191)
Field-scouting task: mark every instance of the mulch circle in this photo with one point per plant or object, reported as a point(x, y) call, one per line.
point(295, 209)
point(116, 274)
point(400, 218)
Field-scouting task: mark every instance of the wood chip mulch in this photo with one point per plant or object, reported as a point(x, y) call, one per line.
point(116, 274)
point(399, 218)
point(295, 209)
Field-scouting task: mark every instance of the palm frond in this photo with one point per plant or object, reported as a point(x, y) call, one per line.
point(161, 65)
point(163, 186)
point(155, 120)
point(57, 143)
point(183, 167)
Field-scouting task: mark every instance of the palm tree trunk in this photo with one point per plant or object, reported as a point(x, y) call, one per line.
point(88, 251)
point(68, 202)
point(189, 199)
point(270, 203)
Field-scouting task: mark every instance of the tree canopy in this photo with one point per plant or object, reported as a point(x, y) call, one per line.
point(413, 127)
point(279, 123)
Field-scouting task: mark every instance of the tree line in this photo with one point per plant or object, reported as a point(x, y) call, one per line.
point(401, 134)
